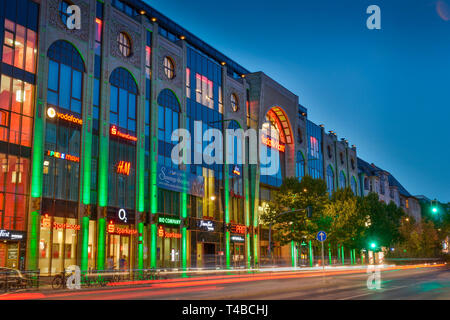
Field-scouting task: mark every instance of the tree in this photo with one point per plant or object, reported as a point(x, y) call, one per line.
point(294, 195)
point(383, 221)
point(347, 223)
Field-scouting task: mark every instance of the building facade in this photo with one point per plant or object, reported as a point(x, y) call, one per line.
point(87, 122)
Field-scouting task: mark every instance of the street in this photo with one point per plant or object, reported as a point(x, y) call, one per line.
point(416, 283)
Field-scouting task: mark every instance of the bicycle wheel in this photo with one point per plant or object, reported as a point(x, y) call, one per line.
point(58, 282)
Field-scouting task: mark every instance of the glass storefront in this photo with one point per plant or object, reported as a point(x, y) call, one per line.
point(168, 247)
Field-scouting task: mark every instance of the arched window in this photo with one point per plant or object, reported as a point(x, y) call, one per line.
point(65, 76)
point(300, 166)
point(168, 121)
point(122, 151)
point(330, 180)
point(342, 180)
point(63, 136)
point(124, 93)
point(353, 185)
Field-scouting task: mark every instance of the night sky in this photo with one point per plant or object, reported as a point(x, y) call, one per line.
point(387, 91)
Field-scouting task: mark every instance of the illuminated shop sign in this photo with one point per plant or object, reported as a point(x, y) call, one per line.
point(52, 113)
point(46, 223)
point(274, 144)
point(169, 235)
point(11, 235)
point(235, 238)
point(206, 225)
point(116, 133)
point(123, 215)
point(169, 221)
point(124, 168)
point(113, 229)
point(63, 156)
point(237, 171)
point(238, 228)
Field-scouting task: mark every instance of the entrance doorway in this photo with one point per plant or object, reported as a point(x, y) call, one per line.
point(119, 248)
point(209, 254)
point(9, 255)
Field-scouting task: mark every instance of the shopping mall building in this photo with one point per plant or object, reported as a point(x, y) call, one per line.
point(86, 121)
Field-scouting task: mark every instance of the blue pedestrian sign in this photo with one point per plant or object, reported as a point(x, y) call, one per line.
point(322, 236)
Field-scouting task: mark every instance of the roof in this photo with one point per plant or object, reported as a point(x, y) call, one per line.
point(190, 38)
point(373, 170)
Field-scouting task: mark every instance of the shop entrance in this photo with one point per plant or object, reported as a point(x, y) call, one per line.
point(238, 254)
point(119, 249)
point(209, 254)
point(9, 255)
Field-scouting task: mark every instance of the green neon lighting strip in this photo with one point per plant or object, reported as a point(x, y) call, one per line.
point(343, 256)
point(293, 255)
point(227, 213)
point(255, 248)
point(339, 252)
point(227, 249)
point(311, 258)
point(87, 163)
point(329, 254)
point(249, 251)
point(153, 246)
point(183, 203)
point(141, 246)
point(38, 154)
point(103, 159)
point(101, 244)
point(84, 243)
point(33, 253)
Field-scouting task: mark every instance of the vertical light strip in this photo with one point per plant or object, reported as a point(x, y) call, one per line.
point(183, 208)
point(38, 153)
point(141, 246)
point(329, 253)
point(101, 244)
point(311, 258)
point(33, 242)
point(293, 254)
point(226, 210)
point(103, 167)
point(343, 255)
point(84, 243)
point(87, 163)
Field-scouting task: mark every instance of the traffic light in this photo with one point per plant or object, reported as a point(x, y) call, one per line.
point(373, 245)
point(434, 207)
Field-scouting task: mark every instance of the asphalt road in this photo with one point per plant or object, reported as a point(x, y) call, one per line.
point(430, 283)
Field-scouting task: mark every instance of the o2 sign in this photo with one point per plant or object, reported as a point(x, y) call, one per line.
point(123, 215)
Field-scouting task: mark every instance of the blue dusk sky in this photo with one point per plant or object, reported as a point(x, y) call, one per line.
point(387, 91)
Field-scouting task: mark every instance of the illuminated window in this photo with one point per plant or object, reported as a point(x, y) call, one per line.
point(16, 111)
point(234, 103)
point(188, 82)
point(314, 147)
point(19, 46)
point(148, 62)
point(169, 67)
point(124, 44)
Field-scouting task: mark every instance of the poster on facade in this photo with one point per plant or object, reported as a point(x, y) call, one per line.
point(180, 181)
